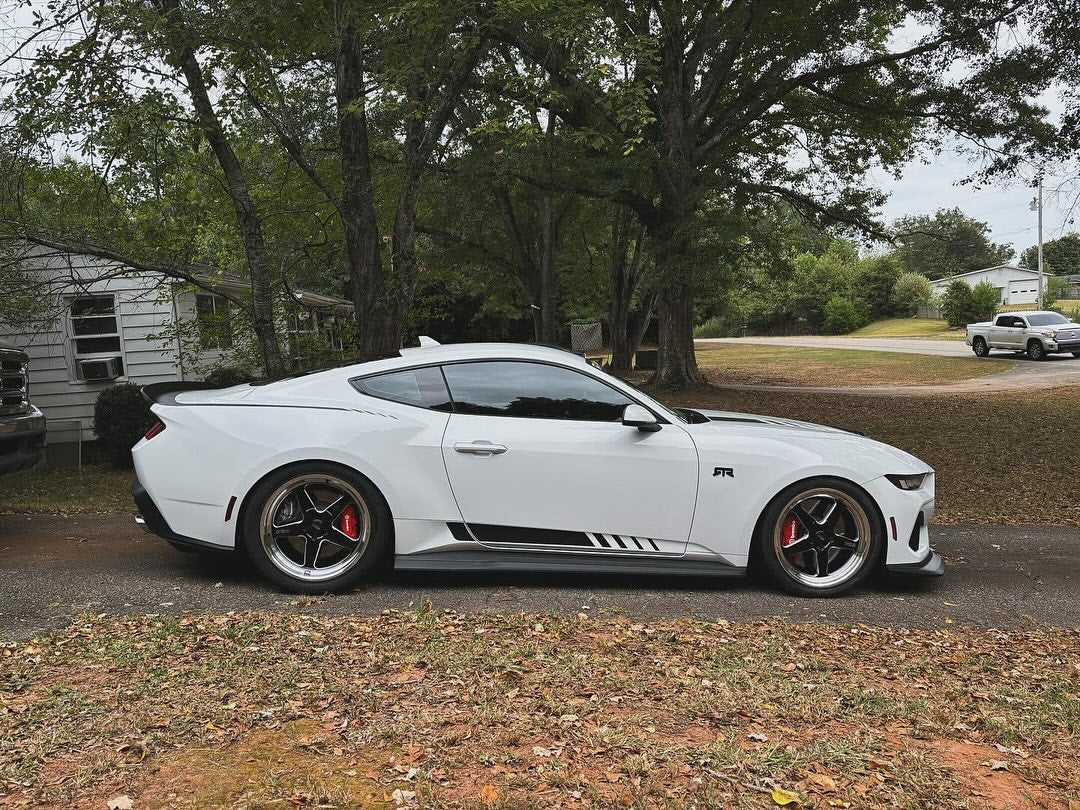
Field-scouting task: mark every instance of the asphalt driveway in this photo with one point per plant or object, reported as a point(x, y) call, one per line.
point(56, 567)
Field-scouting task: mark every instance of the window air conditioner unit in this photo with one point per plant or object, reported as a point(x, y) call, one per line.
point(105, 368)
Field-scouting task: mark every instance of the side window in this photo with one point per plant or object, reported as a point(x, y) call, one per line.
point(1004, 320)
point(422, 387)
point(532, 391)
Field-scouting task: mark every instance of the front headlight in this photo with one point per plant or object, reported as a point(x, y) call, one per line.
point(1052, 334)
point(908, 482)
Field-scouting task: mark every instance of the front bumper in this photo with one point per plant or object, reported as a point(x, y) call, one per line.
point(1063, 346)
point(932, 566)
point(22, 440)
point(150, 520)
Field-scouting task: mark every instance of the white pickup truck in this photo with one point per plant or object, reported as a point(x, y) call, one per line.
point(1035, 334)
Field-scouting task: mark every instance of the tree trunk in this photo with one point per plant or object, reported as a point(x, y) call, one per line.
point(548, 281)
point(624, 275)
point(676, 364)
point(247, 220)
point(378, 326)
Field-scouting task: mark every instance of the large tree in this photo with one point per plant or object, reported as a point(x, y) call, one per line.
point(1061, 256)
point(945, 244)
point(745, 99)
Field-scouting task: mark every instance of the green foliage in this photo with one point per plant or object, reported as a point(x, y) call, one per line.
point(1054, 287)
point(875, 282)
point(957, 305)
point(228, 376)
point(121, 416)
point(1061, 256)
point(945, 244)
point(985, 298)
point(910, 292)
point(843, 315)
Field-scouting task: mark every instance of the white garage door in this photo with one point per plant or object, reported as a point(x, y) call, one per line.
point(1023, 292)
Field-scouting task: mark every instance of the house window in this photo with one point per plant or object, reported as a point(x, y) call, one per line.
point(94, 328)
point(212, 319)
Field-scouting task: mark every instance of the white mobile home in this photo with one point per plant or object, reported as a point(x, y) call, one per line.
point(1016, 285)
point(109, 324)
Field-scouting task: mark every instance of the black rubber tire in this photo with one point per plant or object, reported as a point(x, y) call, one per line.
point(1076, 354)
point(763, 557)
point(1035, 349)
point(380, 545)
point(978, 345)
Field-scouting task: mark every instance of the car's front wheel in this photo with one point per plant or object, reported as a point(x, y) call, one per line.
point(316, 528)
point(1035, 350)
point(820, 537)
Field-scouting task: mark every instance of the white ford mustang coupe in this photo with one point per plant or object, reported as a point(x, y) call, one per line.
point(493, 457)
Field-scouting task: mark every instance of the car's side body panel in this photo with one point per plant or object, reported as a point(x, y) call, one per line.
point(624, 487)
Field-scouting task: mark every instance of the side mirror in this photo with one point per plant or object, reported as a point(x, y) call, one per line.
point(641, 418)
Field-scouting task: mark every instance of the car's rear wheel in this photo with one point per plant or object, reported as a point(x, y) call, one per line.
point(820, 537)
point(979, 347)
point(1035, 350)
point(316, 528)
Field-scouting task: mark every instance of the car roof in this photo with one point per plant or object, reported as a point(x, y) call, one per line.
point(433, 354)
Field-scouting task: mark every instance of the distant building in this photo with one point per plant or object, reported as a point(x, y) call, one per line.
point(1016, 285)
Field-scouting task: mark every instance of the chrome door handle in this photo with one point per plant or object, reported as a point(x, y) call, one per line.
point(480, 448)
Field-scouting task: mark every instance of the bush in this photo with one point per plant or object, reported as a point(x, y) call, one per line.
point(718, 326)
point(910, 292)
point(985, 299)
point(121, 417)
point(228, 376)
point(875, 282)
point(956, 304)
point(842, 315)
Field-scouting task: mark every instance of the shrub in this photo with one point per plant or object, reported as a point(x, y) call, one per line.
point(121, 417)
point(985, 298)
point(228, 376)
point(910, 292)
point(875, 282)
point(717, 326)
point(842, 315)
point(956, 304)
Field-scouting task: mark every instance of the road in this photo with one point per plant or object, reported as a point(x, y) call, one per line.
point(56, 567)
point(1055, 370)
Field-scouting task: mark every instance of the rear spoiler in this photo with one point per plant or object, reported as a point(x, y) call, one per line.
point(165, 392)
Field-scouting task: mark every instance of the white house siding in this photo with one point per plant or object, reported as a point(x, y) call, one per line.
point(141, 309)
point(1016, 285)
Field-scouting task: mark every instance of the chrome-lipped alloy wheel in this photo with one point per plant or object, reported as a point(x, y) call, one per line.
point(823, 538)
point(315, 527)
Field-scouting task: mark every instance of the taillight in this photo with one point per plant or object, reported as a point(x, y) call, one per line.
point(154, 430)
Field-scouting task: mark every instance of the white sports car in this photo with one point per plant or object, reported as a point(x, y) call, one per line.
point(492, 457)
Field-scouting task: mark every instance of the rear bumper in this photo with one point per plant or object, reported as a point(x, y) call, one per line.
point(22, 440)
point(149, 518)
point(932, 566)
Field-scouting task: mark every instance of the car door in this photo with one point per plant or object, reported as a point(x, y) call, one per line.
point(1003, 334)
point(538, 459)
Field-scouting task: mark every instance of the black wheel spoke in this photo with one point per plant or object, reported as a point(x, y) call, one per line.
point(832, 517)
point(845, 543)
point(311, 552)
point(822, 555)
point(334, 510)
point(805, 518)
point(802, 544)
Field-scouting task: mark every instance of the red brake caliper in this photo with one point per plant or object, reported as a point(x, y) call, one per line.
point(349, 524)
point(791, 532)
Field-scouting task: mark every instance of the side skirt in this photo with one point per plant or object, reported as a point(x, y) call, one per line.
point(561, 563)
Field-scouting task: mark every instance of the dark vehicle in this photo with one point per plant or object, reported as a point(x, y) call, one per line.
point(22, 426)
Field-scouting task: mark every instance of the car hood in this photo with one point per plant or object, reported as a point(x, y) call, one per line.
point(813, 436)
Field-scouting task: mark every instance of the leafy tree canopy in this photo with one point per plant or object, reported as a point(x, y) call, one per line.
point(946, 243)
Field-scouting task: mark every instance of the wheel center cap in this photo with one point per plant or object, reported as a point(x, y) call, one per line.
point(318, 525)
point(822, 538)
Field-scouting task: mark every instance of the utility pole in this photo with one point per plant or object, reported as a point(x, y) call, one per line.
point(1039, 302)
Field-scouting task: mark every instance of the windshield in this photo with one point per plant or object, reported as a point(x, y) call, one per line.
point(1046, 319)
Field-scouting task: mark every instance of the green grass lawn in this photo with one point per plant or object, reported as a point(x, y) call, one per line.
point(909, 328)
point(66, 489)
point(745, 363)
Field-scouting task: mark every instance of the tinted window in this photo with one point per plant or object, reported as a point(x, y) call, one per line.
point(532, 390)
point(422, 387)
point(1046, 319)
point(1004, 320)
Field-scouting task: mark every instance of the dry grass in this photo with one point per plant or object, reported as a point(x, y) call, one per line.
point(909, 328)
point(445, 710)
point(66, 489)
point(747, 363)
